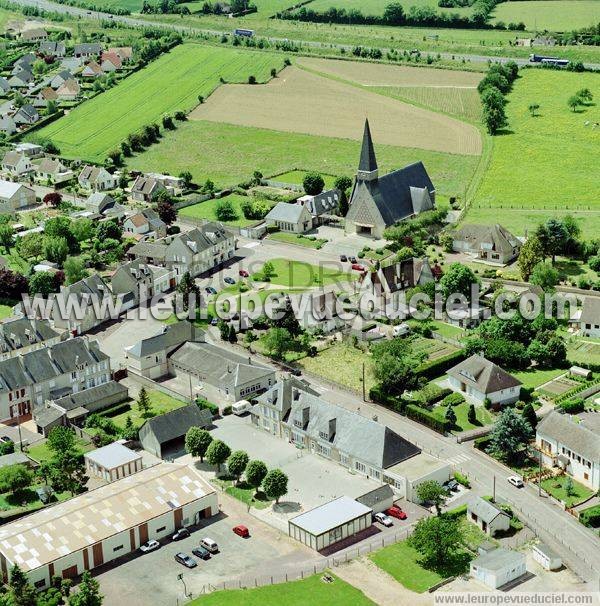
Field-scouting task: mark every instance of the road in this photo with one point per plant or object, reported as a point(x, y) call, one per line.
point(135, 22)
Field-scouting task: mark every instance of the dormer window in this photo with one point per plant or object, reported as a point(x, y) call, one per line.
point(298, 423)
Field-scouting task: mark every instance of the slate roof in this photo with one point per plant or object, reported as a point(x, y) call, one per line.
point(171, 336)
point(51, 166)
point(360, 437)
point(4, 85)
point(15, 458)
point(92, 395)
point(52, 48)
point(485, 510)
point(368, 161)
point(203, 238)
point(156, 250)
point(488, 237)
point(94, 287)
point(376, 496)
point(576, 436)
point(590, 314)
point(92, 48)
point(175, 424)
point(484, 375)
point(285, 211)
point(283, 392)
point(404, 274)
point(12, 158)
point(145, 185)
point(324, 203)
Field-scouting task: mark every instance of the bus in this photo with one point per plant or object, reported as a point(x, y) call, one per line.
point(247, 33)
point(549, 60)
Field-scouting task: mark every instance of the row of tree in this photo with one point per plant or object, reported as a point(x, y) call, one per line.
point(492, 90)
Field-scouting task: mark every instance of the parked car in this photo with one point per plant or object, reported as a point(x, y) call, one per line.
point(5, 439)
point(45, 494)
point(244, 273)
point(182, 533)
point(214, 322)
point(229, 280)
point(353, 260)
point(209, 545)
point(241, 531)
point(201, 552)
point(516, 481)
point(357, 267)
point(151, 545)
point(343, 258)
point(451, 485)
point(211, 290)
point(395, 512)
point(186, 560)
point(383, 519)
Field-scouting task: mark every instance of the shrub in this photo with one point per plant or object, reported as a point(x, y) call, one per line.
point(462, 479)
point(432, 393)
point(421, 415)
point(434, 368)
point(457, 512)
point(573, 406)
point(214, 409)
point(227, 410)
point(590, 517)
point(453, 399)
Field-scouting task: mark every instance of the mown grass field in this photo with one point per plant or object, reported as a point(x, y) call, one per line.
point(376, 7)
point(171, 83)
point(546, 165)
point(133, 5)
point(297, 274)
point(296, 177)
point(297, 593)
point(207, 210)
point(554, 15)
point(229, 154)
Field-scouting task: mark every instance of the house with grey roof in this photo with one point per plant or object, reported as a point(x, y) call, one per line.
point(145, 223)
point(142, 280)
point(101, 203)
point(34, 34)
point(8, 125)
point(479, 380)
point(15, 197)
point(571, 446)
point(26, 114)
point(498, 567)
point(145, 189)
point(15, 164)
point(21, 335)
point(87, 50)
point(4, 85)
point(379, 202)
point(379, 499)
point(588, 320)
point(288, 217)
point(22, 79)
point(59, 79)
point(151, 253)
point(165, 434)
point(53, 49)
point(17, 458)
point(489, 518)
point(54, 171)
point(321, 206)
point(488, 243)
point(112, 462)
point(97, 178)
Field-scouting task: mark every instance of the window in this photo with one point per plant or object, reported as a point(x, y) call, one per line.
point(161, 529)
point(344, 459)
point(586, 476)
point(118, 548)
point(298, 423)
point(323, 450)
point(39, 584)
point(335, 535)
point(360, 467)
point(324, 435)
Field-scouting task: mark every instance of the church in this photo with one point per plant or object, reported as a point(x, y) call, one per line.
point(379, 202)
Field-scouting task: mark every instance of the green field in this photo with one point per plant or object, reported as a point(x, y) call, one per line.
point(553, 15)
point(376, 7)
point(296, 177)
point(133, 5)
point(172, 82)
point(296, 274)
point(297, 593)
point(207, 210)
point(229, 154)
point(535, 378)
point(546, 165)
point(298, 239)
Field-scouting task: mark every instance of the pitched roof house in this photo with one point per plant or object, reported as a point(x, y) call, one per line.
point(142, 280)
point(54, 49)
point(69, 90)
point(34, 35)
point(44, 95)
point(110, 62)
point(479, 379)
point(92, 49)
point(145, 189)
point(323, 204)
point(91, 70)
point(146, 222)
point(54, 170)
point(491, 243)
point(379, 202)
point(489, 518)
point(295, 218)
point(15, 196)
point(60, 78)
point(4, 85)
point(27, 114)
point(125, 53)
point(97, 178)
point(8, 125)
point(16, 164)
point(589, 320)
point(20, 335)
point(22, 79)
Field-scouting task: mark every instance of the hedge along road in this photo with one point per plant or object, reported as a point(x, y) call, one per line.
point(62, 8)
point(97, 126)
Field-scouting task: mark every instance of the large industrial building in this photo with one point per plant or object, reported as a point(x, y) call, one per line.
point(102, 525)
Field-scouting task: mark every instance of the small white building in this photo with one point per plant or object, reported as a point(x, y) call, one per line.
point(416, 470)
point(292, 218)
point(489, 518)
point(546, 556)
point(498, 567)
point(479, 379)
point(112, 462)
point(330, 523)
point(589, 320)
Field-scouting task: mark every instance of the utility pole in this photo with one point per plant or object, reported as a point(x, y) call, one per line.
point(363, 383)
point(494, 490)
point(540, 474)
point(19, 426)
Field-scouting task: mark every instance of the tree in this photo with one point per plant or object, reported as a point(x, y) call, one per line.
point(450, 416)
point(88, 593)
point(585, 94)
point(197, 441)
point(20, 592)
point(30, 246)
point(186, 177)
point(529, 415)
point(143, 403)
point(533, 107)
point(166, 211)
point(255, 473)
point(268, 271)
point(12, 284)
point(225, 210)
point(55, 249)
point(6, 236)
point(14, 478)
point(61, 439)
point(75, 270)
point(217, 453)
point(232, 336)
point(494, 114)
point(189, 290)
point(343, 184)
point(531, 254)
point(472, 415)
point(509, 436)
point(394, 14)
point(278, 341)
point(288, 319)
point(437, 539)
point(458, 279)
point(569, 489)
point(42, 283)
point(544, 275)
point(574, 102)
point(275, 484)
point(433, 492)
point(52, 199)
point(313, 183)
point(115, 157)
point(109, 230)
point(66, 467)
point(236, 463)
point(83, 229)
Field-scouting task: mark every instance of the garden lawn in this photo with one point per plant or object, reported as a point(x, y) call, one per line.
point(534, 377)
point(297, 274)
point(448, 330)
point(208, 210)
point(485, 417)
point(556, 487)
point(401, 561)
point(432, 348)
point(41, 453)
point(160, 403)
point(298, 240)
point(99, 125)
point(5, 311)
point(229, 154)
point(543, 166)
point(246, 494)
point(341, 363)
point(296, 593)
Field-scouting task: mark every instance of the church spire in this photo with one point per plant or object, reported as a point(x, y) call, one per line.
point(367, 167)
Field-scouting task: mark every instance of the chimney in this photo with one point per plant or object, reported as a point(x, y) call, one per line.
point(305, 417)
point(296, 393)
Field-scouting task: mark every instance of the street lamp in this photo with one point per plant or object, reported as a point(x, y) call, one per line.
point(180, 578)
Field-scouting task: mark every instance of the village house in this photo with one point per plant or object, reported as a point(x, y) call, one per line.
point(110, 62)
point(479, 380)
point(104, 206)
point(587, 319)
point(152, 253)
point(489, 243)
point(88, 50)
point(16, 164)
point(21, 335)
point(145, 189)
point(34, 35)
point(22, 79)
point(97, 178)
point(570, 446)
point(26, 114)
point(488, 518)
point(125, 53)
point(52, 49)
point(4, 85)
point(322, 205)
point(288, 217)
point(379, 202)
point(91, 70)
point(54, 171)
point(31, 150)
point(173, 184)
point(15, 196)
point(142, 280)
point(145, 223)
point(59, 79)
point(44, 95)
point(68, 90)
point(8, 125)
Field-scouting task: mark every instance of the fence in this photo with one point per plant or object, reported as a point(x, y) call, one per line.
point(191, 201)
point(449, 340)
point(158, 386)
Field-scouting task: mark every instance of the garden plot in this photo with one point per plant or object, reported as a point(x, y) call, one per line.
point(432, 348)
point(559, 386)
point(303, 102)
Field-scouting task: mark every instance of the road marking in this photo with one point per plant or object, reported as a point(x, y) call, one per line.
point(461, 458)
point(251, 245)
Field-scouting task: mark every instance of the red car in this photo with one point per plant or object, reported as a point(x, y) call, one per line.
point(241, 531)
point(357, 267)
point(244, 273)
point(396, 512)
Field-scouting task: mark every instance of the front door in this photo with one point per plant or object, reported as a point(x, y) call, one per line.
point(143, 533)
point(98, 554)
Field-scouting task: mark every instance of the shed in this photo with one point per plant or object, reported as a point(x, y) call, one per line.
point(546, 556)
point(498, 567)
point(378, 500)
point(112, 462)
point(487, 516)
point(330, 523)
point(578, 371)
point(17, 458)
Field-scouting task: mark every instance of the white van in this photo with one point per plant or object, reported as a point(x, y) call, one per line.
point(401, 330)
point(240, 407)
point(209, 545)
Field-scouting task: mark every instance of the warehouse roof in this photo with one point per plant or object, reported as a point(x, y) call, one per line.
point(64, 528)
point(330, 515)
point(112, 456)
